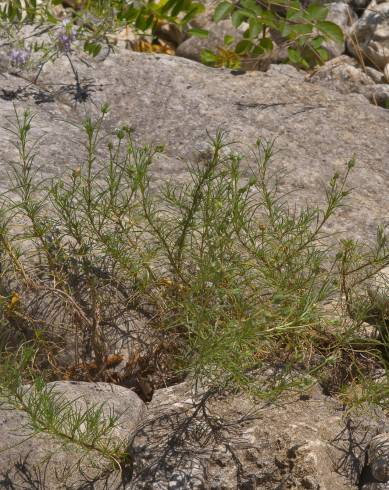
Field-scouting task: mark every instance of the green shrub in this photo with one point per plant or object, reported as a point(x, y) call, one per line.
point(232, 279)
point(303, 30)
point(91, 428)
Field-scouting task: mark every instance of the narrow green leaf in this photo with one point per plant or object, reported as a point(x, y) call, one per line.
point(92, 49)
point(193, 12)
point(179, 7)
point(168, 5)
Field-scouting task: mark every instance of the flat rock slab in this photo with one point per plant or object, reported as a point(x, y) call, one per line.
point(175, 102)
point(47, 462)
point(233, 443)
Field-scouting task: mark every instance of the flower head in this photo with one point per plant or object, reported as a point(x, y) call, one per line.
point(19, 56)
point(66, 35)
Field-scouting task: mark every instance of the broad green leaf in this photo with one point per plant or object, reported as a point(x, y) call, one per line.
point(254, 29)
point(317, 12)
point(298, 29)
point(207, 57)
point(222, 10)
point(294, 56)
point(237, 18)
point(323, 53)
point(252, 6)
point(270, 20)
point(247, 4)
point(294, 8)
point(304, 64)
point(331, 30)
point(258, 51)
point(197, 32)
point(228, 40)
point(248, 13)
point(266, 44)
point(243, 47)
point(317, 42)
point(286, 29)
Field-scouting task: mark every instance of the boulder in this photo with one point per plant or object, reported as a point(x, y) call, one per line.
point(341, 14)
point(359, 6)
point(377, 470)
point(346, 76)
point(229, 442)
point(172, 101)
point(46, 461)
point(342, 74)
point(369, 37)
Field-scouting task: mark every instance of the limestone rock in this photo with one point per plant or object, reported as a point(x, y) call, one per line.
point(346, 76)
point(359, 5)
point(369, 37)
point(375, 75)
point(375, 486)
point(379, 457)
point(377, 470)
point(379, 95)
point(173, 101)
point(341, 14)
point(299, 442)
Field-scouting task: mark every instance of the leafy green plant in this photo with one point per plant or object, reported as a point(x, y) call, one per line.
point(302, 30)
point(90, 427)
point(94, 21)
point(229, 276)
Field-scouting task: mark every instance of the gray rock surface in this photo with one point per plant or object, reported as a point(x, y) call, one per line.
point(296, 443)
point(346, 76)
point(369, 37)
point(377, 468)
point(343, 74)
point(341, 14)
point(47, 462)
point(173, 101)
point(378, 457)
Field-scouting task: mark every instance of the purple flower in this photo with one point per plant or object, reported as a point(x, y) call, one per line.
point(66, 35)
point(19, 56)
